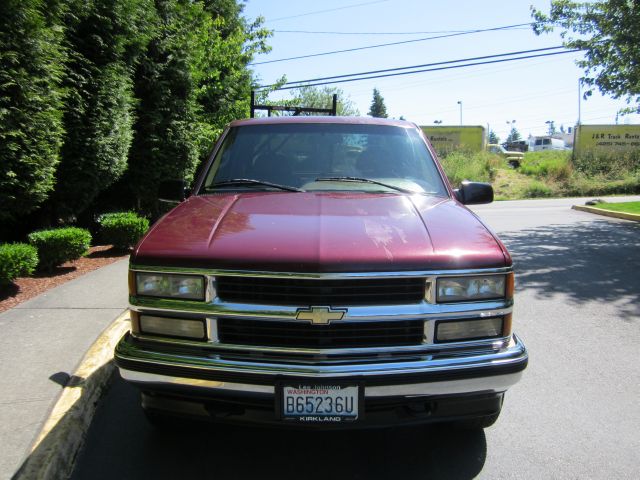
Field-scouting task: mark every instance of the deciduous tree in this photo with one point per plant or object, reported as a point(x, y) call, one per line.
point(224, 89)
point(608, 33)
point(317, 97)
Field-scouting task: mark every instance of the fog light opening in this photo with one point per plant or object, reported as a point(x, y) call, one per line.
point(473, 329)
point(172, 327)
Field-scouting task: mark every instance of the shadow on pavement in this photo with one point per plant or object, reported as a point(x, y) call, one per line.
point(594, 261)
point(54, 454)
point(110, 253)
point(123, 445)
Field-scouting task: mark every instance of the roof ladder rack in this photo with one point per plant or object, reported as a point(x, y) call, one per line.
point(296, 110)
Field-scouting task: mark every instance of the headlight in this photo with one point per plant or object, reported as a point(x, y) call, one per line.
point(189, 287)
point(471, 288)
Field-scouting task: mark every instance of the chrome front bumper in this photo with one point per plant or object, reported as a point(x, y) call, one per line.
point(442, 373)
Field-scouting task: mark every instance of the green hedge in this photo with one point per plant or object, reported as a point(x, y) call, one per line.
point(16, 260)
point(60, 245)
point(122, 229)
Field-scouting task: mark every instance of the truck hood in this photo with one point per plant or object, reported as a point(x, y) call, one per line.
point(320, 232)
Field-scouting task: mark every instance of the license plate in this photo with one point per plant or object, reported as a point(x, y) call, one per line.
point(320, 403)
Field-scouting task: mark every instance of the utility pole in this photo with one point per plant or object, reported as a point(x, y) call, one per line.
point(460, 103)
point(579, 99)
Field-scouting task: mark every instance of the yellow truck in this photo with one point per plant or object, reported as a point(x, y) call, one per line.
point(512, 157)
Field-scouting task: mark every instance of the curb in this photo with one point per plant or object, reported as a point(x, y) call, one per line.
point(607, 213)
point(53, 454)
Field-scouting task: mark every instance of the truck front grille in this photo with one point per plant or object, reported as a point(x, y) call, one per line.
point(299, 334)
point(306, 292)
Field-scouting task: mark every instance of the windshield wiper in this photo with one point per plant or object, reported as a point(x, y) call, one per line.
point(365, 180)
point(251, 181)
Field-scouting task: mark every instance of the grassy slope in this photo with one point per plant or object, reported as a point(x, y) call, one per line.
point(541, 174)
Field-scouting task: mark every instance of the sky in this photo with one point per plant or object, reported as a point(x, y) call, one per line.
point(531, 92)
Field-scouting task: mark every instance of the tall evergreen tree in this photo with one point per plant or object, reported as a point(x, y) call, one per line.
point(514, 135)
point(193, 79)
point(104, 39)
point(167, 130)
point(31, 101)
point(378, 108)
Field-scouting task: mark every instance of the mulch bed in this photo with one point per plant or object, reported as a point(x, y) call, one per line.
point(28, 287)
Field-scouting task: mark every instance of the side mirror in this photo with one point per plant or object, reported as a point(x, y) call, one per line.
point(474, 193)
point(173, 191)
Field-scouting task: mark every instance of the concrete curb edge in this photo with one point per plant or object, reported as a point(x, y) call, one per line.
point(54, 451)
point(607, 213)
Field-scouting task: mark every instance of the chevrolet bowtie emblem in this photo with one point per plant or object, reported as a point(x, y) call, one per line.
point(320, 315)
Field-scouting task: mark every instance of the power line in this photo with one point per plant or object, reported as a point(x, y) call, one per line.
point(368, 33)
point(355, 49)
point(453, 76)
point(428, 70)
point(326, 11)
point(470, 59)
point(380, 33)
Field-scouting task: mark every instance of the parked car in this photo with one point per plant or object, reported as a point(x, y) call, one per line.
point(537, 144)
point(513, 158)
point(323, 272)
point(517, 146)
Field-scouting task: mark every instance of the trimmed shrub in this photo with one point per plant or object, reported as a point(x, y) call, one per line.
point(60, 245)
point(122, 229)
point(17, 260)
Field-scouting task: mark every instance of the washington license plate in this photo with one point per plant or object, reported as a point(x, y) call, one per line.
point(320, 403)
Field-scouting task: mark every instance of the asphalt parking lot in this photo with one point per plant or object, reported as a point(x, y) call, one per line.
point(574, 415)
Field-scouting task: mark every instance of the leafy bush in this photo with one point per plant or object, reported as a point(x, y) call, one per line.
point(553, 164)
point(16, 260)
point(60, 245)
point(537, 190)
point(611, 164)
point(122, 229)
point(477, 166)
point(581, 185)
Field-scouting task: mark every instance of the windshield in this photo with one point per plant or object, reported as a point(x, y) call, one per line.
point(320, 156)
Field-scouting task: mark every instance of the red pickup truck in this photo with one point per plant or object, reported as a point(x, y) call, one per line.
point(323, 272)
